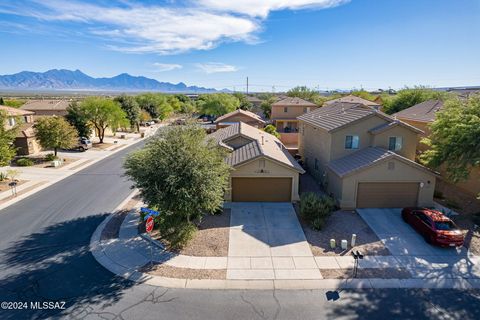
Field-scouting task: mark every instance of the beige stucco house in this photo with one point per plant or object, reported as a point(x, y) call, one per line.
point(263, 170)
point(355, 99)
point(284, 116)
point(47, 107)
point(25, 141)
point(239, 115)
point(363, 157)
point(421, 116)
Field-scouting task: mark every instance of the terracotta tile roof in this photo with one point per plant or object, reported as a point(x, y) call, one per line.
point(15, 112)
point(262, 144)
point(294, 101)
point(353, 99)
point(422, 112)
point(240, 111)
point(366, 158)
point(57, 105)
point(386, 126)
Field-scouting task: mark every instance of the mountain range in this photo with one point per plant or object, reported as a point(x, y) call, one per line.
point(63, 79)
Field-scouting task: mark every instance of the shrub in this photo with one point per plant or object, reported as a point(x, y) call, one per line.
point(25, 162)
point(50, 157)
point(13, 174)
point(316, 209)
point(3, 176)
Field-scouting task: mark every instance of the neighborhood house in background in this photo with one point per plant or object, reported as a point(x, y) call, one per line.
point(25, 139)
point(239, 115)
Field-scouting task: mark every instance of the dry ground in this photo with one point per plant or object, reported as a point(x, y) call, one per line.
point(4, 184)
point(384, 273)
point(101, 146)
point(340, 225)
point(184, 273)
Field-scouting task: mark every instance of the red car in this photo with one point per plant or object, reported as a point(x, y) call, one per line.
point(434, 226)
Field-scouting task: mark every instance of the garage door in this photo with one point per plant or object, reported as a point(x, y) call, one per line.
point(261, 189)
point(387, 195)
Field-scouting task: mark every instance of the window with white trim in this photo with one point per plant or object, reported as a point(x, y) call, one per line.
point(395, 143)
point(352, 142)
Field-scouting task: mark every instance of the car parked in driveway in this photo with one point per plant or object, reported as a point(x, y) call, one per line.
point(434, 226)
point(83, 144)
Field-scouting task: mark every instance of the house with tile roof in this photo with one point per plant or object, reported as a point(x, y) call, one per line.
point(25, 141)
point(363, 157)
point(47, 107)
point(421, 116)
point(239, 115)
point(284, 117)
point(263, 169)
point(355, 99)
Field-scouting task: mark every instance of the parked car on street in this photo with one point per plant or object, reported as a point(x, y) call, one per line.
point(83, 144)
point(434, 226)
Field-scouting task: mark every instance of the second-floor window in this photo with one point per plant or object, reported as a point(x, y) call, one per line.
point(395, 143)
point(306, 109)
point(285, 109)
point(352, 142)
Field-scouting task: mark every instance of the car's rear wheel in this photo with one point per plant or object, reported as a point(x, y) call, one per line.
point(82, 149)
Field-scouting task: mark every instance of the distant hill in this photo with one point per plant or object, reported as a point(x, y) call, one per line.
point(77, 80)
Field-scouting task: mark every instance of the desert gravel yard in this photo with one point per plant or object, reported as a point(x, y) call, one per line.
point(163, 270)
point(383, 273)
point(340, 225)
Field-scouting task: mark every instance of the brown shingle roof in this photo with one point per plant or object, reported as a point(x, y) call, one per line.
point(240, 111)
point(353, 99)
point(422, 112)
point(263, 145)
point(366, 158)
point(57, 105)
point(293, 101)
point(15, 112)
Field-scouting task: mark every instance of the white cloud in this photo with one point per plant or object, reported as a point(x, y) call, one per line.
point(261, 8)
point(215, 67)
point(170, 28)
point(162, 67)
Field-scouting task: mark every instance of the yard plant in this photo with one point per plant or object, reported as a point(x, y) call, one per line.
point(25, 162)
point(316, 209)
point(182, 175)
point(55, 133)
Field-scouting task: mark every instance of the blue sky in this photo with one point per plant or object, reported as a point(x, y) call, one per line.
point(325, 44)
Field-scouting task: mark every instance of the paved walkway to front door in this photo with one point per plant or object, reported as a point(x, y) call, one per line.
point(267, 242)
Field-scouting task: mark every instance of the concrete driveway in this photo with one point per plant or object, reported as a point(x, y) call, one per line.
point(413, 253)
point(267, 242)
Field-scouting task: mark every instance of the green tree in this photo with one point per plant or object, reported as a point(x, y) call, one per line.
point(272, 130)
point(244, 103)
point(409, 97)
point(363, 94)
point(77, 118)
point(308, 94)
point(2, 103)
point(454, 140)
point(131, 108)
point(217, 104)
point(102, 113)
point(181, 174)
point(7, 137)
point(156, 104)
point(266, 106)
point(187, 105)
point(54, 133)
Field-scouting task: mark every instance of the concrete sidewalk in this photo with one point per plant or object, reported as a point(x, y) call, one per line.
point(130, 252)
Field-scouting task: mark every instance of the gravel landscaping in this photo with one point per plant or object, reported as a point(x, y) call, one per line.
point(340, 225)
point(211, 239)
point(184, 273)
point(368, 273)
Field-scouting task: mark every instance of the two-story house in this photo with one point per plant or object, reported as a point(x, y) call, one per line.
point(239, 115)
point(364, 158)
point(421, 116)
point(284, 116)
point(262, 169)
point(25, 141)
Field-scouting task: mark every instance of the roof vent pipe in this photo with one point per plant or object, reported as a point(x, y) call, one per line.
point(262, 140)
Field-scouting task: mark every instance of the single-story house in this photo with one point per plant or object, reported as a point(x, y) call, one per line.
point(47, 107)
point(263, 170)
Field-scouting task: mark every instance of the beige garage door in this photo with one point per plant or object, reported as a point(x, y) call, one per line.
point(387, 195)
point(261, 189)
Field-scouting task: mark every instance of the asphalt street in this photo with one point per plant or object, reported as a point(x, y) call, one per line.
point(44, 257)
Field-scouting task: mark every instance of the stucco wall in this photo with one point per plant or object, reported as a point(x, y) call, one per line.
point(380, 173)
point(359, 129)
point(410, 140)
point(314, 144)
point(292, 112)
point(271, 170)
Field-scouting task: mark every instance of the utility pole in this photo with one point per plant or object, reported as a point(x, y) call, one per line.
point(247, 85)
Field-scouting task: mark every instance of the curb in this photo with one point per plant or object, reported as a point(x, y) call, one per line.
point(132, 274)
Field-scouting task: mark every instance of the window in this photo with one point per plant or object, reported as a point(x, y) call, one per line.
point(395, 143)
point(261, 163)
point(352, 142)
point(306, 109)
point(316, 164)
point(285, 109)
point(11, 121)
